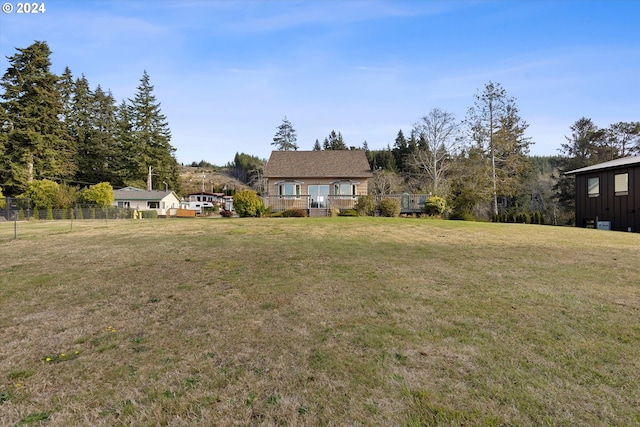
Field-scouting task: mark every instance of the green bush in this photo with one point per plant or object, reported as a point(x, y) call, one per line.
point(49, 213)
point(297, 213)
point(247, 204)
point(435, 206)
point(149, 214)
point(348, 212)
point(100, 195)
point(366, 206)
point(389, 207)
point(42, 193)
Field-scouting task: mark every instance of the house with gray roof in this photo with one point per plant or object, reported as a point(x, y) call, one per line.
point(608, 195)
point(316, 181)
point(145, 200)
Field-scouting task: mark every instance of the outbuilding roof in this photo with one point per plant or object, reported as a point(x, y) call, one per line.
point(624, 161)
point(318, 164)
point(132, 193)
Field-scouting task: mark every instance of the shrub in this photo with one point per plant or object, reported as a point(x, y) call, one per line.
point(100, 195)
point(348, 212)
point(435, 206)
point(297, 213)
point(149, 214)
point(247, 203)
point(389, 207)
point(366, 206)
point(42, 193)
point(226, 213)
point(334, 211)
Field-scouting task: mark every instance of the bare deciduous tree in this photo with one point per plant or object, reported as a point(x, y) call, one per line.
point(439, 138)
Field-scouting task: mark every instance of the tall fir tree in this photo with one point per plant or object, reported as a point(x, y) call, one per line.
point(317, 146)
point(36, 143)
point(285, 138)
point(130, 167)
point(80, 128)
point(152, 138)
point(105, 154)
point(66, 87)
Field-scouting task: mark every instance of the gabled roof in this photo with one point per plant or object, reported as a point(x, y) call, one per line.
point(133, 193)
point(318, 164)
point(205, 193)
point(622, 162)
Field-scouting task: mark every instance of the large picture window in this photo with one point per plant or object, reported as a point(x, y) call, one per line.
point(621, 184)
point(593, 187)
point(344, 189)
point(289, 189)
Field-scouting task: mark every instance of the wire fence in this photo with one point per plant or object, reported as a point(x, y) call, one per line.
point(19, 219)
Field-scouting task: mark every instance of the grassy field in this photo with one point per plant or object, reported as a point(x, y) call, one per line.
point(328, 321)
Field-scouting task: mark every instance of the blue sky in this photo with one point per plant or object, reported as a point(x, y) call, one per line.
point(227, 72)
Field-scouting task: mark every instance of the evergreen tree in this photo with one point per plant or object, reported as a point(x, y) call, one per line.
point(80, 128)
point(285, 138)
point(400, 149)
point(317, 146)
point(334, 142)
point(152, 138)
point(497, 129)
point(105, 154)
point(624, 138)
point(583, 148)
point(36, 143)
point(66, 86)
point(130, 167)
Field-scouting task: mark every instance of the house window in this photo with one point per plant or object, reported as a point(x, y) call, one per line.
point(289, 189)
point(593, 187)
point(124, 205)
point(153, 205)
point(344, 189)
point(621, 184)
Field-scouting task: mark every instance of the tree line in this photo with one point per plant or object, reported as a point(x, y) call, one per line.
point(57, 128)
point(481, 164)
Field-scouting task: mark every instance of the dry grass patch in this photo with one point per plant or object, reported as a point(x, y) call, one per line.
point(337, 321)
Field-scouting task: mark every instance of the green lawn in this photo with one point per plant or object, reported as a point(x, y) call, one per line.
point(328, 321)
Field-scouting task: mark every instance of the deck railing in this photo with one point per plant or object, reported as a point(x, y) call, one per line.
point(409, 203)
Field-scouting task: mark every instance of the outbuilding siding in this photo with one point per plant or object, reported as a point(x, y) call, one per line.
point(622, 211)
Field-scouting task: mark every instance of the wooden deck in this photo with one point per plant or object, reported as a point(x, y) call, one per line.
point(409, 203)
